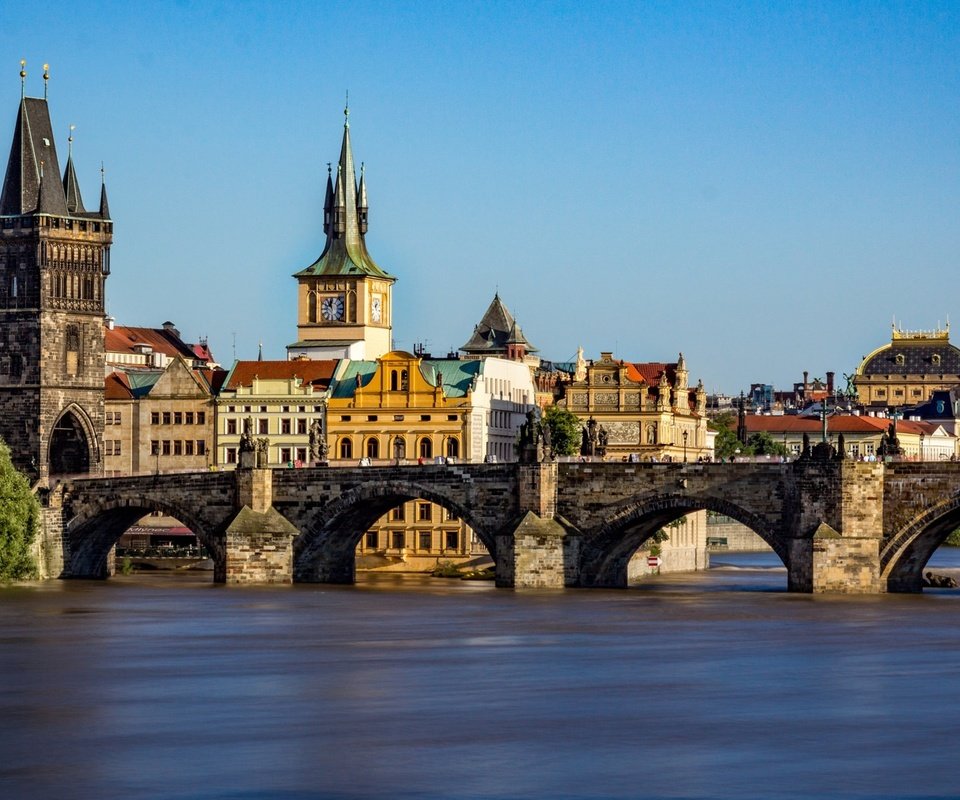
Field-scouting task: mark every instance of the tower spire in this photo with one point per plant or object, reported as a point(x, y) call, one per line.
point(23, 78)
point(104, 206)
point(71, 187)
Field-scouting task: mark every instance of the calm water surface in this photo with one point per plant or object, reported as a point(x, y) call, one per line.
point(712, 685)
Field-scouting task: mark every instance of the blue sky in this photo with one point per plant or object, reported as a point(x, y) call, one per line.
point(762, 186)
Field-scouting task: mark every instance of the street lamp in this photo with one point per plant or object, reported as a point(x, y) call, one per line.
point(685, 434)
point(921, 446)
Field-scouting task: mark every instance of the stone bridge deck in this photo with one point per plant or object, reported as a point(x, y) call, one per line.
point(837, 526)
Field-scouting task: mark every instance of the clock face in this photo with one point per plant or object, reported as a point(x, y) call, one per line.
point(376, 309)
point(332, 307)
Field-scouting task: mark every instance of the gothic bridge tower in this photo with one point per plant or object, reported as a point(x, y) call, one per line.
point(344, 300)
point(54, 261)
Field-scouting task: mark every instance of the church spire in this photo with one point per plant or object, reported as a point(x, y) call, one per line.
point(104, 206)
point(345, 219)
point(71, 187)
point(32, 144)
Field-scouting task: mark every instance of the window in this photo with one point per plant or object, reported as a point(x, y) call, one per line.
point(397, 514)
point(453, 448)
point(177, 418)
point(166, 417)
point(398, 540)
point(285, 428)
point(178, 447)
point(426, 448)
point(346, 448)
point(917, 393)
point(345, 418)
point(188, 418)
point(109, 419)
point(302, 455)
point(231, 455)
point(423, 512)
point(394, 381)
point(155, 447)
point(263, 426)
point(284, 455)
point(201, 447)
point(201, 417)
point(165, 447)
point(231, 427)
point(426, 540)
point(371, 417)
point(188, 447)
point(453, 539)
point(116, 418)
point(301, 427)
point(285, 409)
point(452, 517)
point(371, 540)
point(424, 417)
point(451, 417)
point(263, 409)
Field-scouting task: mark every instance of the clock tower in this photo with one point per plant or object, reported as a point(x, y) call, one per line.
point(344, 298)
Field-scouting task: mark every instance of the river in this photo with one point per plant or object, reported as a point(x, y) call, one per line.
point(711, 685)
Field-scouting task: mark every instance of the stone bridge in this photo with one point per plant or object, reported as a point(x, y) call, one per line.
point(837, 526)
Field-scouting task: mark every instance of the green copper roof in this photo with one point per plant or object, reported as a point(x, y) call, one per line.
point(346, 383)
point(457, 375)
point(345, 223)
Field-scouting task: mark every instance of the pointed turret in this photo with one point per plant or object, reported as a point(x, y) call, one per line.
point(328, 202)
point(345, 252)
point(497, 330)
point(32, 145)
point(71, 187)
point(362, 202)
point(104, 205)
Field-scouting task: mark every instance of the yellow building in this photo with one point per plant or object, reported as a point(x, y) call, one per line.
point(907, 370)
point(644, 410)
point(406, 409)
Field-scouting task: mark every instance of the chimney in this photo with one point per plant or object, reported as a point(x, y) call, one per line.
point(830, 383)
point(110, 322)
point(805, 374)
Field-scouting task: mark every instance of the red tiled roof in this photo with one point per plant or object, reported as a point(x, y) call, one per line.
point(116, 387)
point(315, 373)
point(841, 423)
point(649, 372)
point(123, 339)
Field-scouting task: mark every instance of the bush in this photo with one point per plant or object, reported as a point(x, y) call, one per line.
point(19, 521)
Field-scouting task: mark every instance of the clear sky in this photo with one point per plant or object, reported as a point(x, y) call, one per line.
point(760, 185)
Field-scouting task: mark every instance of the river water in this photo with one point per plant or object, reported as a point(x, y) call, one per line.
point(711, 685)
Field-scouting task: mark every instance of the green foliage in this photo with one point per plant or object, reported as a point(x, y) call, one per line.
point(564, 430)
point(763, 444)
point(726, 443)
point(19, 521)
point(953, 540)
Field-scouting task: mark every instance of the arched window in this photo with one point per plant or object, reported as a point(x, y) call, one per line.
point(373, 447)
point(351, 306)
point(426, 448)
point(453, 448)
point(394, 383)
point(346, 448)
point(312, 306)
point(403, 380)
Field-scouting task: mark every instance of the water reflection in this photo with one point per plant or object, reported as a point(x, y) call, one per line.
point(711, 685)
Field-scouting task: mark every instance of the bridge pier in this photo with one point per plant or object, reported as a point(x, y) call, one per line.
point(537, 551)
point(258, 542)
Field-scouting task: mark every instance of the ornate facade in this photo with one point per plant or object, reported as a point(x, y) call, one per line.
point(642, 410)
point(908, 369)
point(344, 300)
point(54, 262)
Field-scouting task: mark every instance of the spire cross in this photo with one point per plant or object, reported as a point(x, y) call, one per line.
point(46, 77)
point(103, 179)
point(70, 140)
point(23, 76)
point(346, 111)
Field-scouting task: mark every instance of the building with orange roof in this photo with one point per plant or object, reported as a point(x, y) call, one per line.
point(919, 440)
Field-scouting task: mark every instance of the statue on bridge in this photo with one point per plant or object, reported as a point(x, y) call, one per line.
point(318, 442)
point(591, 438)
point(246, 438)
point(262, 452)
point(530, 443)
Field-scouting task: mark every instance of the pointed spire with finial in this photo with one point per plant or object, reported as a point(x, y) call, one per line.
point(328, 202)
point(104, 206)
point(46, 79)
point(362, 201)
point(71, 187)
point(23, 78)
point(260, 352)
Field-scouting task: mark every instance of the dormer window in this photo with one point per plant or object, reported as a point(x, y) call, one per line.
point(935, 359)
point(900, 360)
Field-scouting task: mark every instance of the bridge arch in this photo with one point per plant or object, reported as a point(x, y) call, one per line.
point(907, 552)
point(325, 550)
point(97, 527)
point(72, 448)
point(609, 546)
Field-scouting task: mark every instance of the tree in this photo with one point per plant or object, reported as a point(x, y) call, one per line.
point(19, 521)
point(726, 444)
point(564, 430)
point(763, 444)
